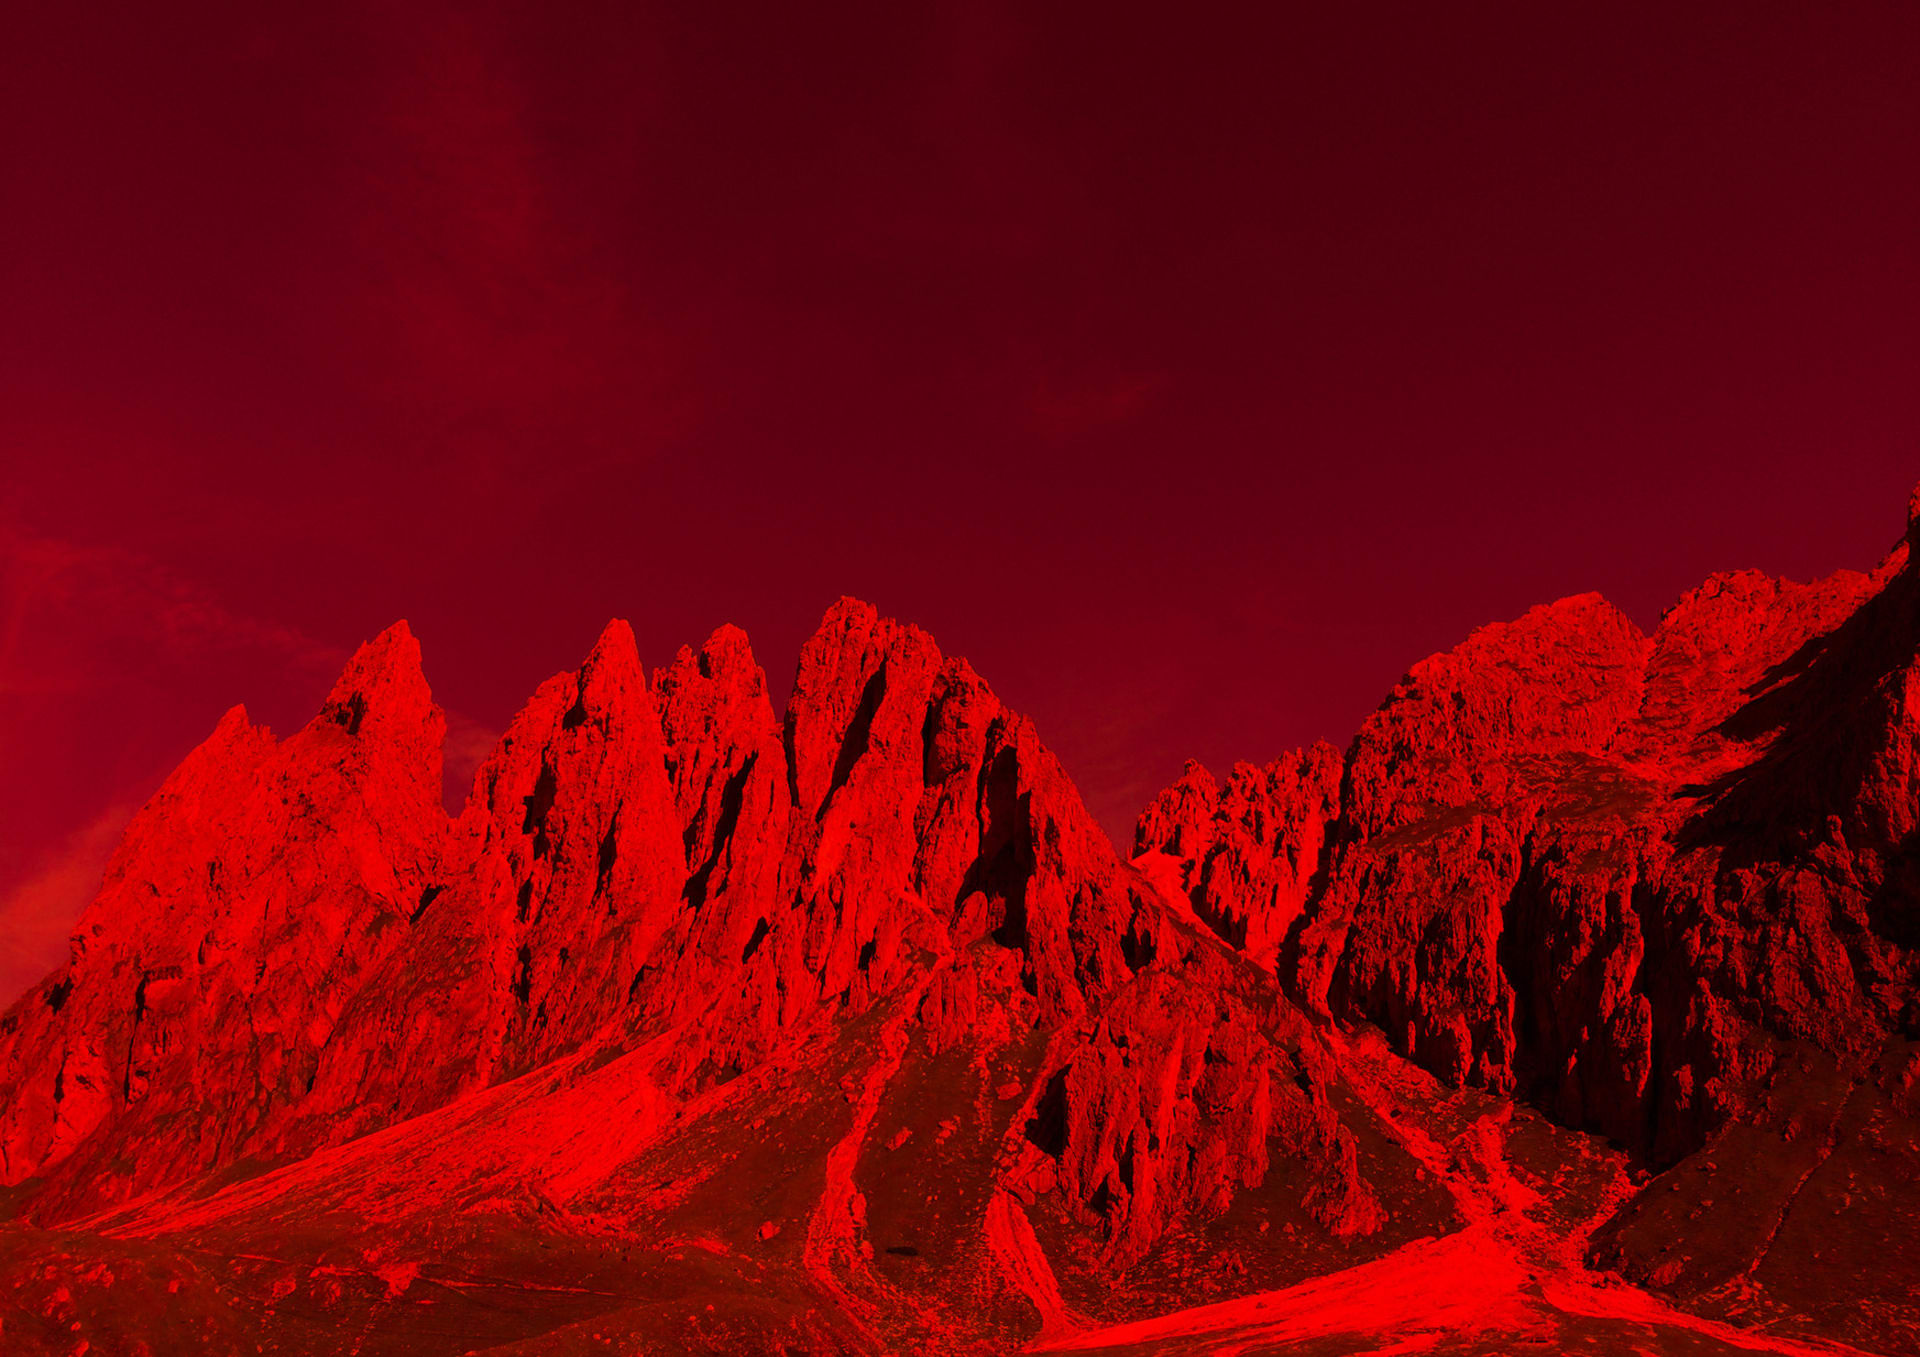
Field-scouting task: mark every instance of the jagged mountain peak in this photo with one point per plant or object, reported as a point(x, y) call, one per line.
point(382, 686)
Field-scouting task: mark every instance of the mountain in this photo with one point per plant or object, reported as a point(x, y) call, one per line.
point(1577, 1003)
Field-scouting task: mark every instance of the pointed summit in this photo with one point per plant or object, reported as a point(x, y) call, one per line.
point(611, 674)
point(381, 700)
point(382, 686)
point(848, 670)
point(1179, 821)
point(728, 652)
point(717, 719)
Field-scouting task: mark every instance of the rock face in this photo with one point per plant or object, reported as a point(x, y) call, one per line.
point(1248, 851)
point(1613, 871)
point(1649, 884)
point(1609, 871)
point(261, 887)
point(858, 999)
point(1445, 785)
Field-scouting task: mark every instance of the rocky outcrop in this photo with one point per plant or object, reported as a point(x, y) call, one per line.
point(1250, 851)
point(262, 887)
point(1443, 785)
point(1608, 871)
point(554, 885)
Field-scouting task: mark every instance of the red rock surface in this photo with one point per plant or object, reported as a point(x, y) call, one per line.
point(1248, 852)
point(849, 1029)
point(260, 890)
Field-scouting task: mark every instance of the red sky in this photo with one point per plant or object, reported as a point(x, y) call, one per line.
point(1191, 372)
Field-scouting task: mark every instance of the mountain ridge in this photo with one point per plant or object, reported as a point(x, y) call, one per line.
point(1658, 886)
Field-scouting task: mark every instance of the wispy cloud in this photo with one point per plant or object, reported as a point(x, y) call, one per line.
point(38, 913)
point(107, 660)
point(70, 613)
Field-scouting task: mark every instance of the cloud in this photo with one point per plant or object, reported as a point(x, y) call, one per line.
point(39, 912)
point(111, 666)
point(71, 614)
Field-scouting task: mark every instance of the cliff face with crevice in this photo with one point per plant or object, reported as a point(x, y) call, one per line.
point(1607, 871)
point(1248, 852)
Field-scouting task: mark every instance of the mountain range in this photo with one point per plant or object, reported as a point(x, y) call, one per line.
point(1575, 1006)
